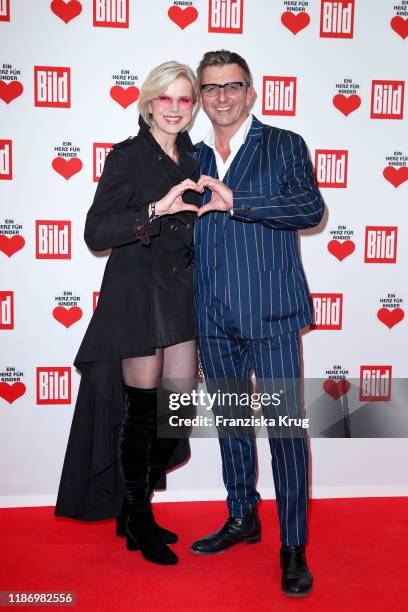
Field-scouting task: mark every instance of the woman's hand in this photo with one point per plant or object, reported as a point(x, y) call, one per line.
point(221, 195)
point(172, 202)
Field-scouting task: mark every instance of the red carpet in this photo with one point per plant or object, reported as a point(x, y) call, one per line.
point(357, 553)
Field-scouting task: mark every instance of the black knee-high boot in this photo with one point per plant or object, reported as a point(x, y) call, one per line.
point(160, 453)
point(136, 436)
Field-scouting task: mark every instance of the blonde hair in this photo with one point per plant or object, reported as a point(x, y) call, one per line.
point(159, 79)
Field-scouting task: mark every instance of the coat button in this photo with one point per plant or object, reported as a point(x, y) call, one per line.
point(173, 268)
point(173, 227)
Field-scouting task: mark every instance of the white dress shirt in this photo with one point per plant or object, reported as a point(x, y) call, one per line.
point(235, 144)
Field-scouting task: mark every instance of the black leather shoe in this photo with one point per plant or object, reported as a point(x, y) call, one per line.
point(235, 530)
point(297, 581)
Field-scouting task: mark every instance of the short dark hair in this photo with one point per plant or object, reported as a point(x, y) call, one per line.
point(223, 58)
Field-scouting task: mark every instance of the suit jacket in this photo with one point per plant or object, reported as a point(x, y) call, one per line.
point(250, 259)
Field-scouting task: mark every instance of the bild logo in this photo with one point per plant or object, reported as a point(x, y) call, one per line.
point(6, 310)
point(111, 13)
point(331, 168)
point(53, 239)
point(6, 166)
point(380, 244)
point(54, 385)
point(52, 86)
point(327, 310)
point(4, 10)
point(387, 99)
point(100, 151)
point(337, 18)
point(375, 383)
point(279, 95)
point(226, 16)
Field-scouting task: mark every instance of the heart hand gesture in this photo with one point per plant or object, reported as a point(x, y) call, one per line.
point(172, 202)
point(221, 199)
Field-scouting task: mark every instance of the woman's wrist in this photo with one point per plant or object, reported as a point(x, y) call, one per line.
point(152, 211)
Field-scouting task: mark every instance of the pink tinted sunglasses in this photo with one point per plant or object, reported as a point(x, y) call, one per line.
point(184, 101)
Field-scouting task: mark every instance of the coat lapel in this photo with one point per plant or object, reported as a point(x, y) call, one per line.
point(243, 161)
point(188, 165)
point(246, 156)
point(206, 160)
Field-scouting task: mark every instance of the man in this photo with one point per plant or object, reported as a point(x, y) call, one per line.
point(251, 294)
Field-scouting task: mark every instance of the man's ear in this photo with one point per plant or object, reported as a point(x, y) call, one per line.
point(250, 95)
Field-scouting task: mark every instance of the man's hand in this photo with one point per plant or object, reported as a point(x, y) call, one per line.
point(221, 199)
point(172, 202)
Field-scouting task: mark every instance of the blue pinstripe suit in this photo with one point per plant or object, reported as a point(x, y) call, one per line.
point(252, 299)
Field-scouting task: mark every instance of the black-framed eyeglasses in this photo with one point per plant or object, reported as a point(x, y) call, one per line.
point(231, 89)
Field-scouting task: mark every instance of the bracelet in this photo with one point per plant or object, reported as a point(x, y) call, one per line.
point(152, 214)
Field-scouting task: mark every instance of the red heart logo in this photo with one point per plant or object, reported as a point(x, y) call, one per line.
point(295, 21)
point(11, 244)
point(12, 391)
point(10, 91)
point(124, 95)
point(390, 317)
point(336, 388)
point(67, 167)
point(182, 17)
point(396, 176)
point(347, 104)
point(341, 250)
point(66, 10)
point(67, 316)
point(400, 26)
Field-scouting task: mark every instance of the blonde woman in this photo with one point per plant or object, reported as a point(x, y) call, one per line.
point(143, 328)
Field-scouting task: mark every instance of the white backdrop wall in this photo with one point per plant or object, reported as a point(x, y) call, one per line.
point(336, 58)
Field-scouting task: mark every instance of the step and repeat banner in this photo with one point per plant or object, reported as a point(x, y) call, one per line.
point(70, 78)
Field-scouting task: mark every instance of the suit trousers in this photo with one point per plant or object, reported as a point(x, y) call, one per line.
point(227, 356)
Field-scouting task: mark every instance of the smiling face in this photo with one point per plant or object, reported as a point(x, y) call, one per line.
point(172, 111)
point(226, 110)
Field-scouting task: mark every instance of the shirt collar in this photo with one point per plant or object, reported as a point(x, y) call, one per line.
point(237, 140)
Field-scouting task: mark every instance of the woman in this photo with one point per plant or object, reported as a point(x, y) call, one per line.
point(143, 328)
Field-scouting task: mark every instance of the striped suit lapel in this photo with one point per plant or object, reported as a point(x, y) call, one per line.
point(206, 160)
point(245, 158)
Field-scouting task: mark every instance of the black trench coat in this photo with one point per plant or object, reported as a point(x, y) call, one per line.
point(146, 301)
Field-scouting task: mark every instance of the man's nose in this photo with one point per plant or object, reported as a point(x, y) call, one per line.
point(221, 96)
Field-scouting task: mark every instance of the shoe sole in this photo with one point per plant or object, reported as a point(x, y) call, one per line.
point(249, 540)
point(297, 594)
